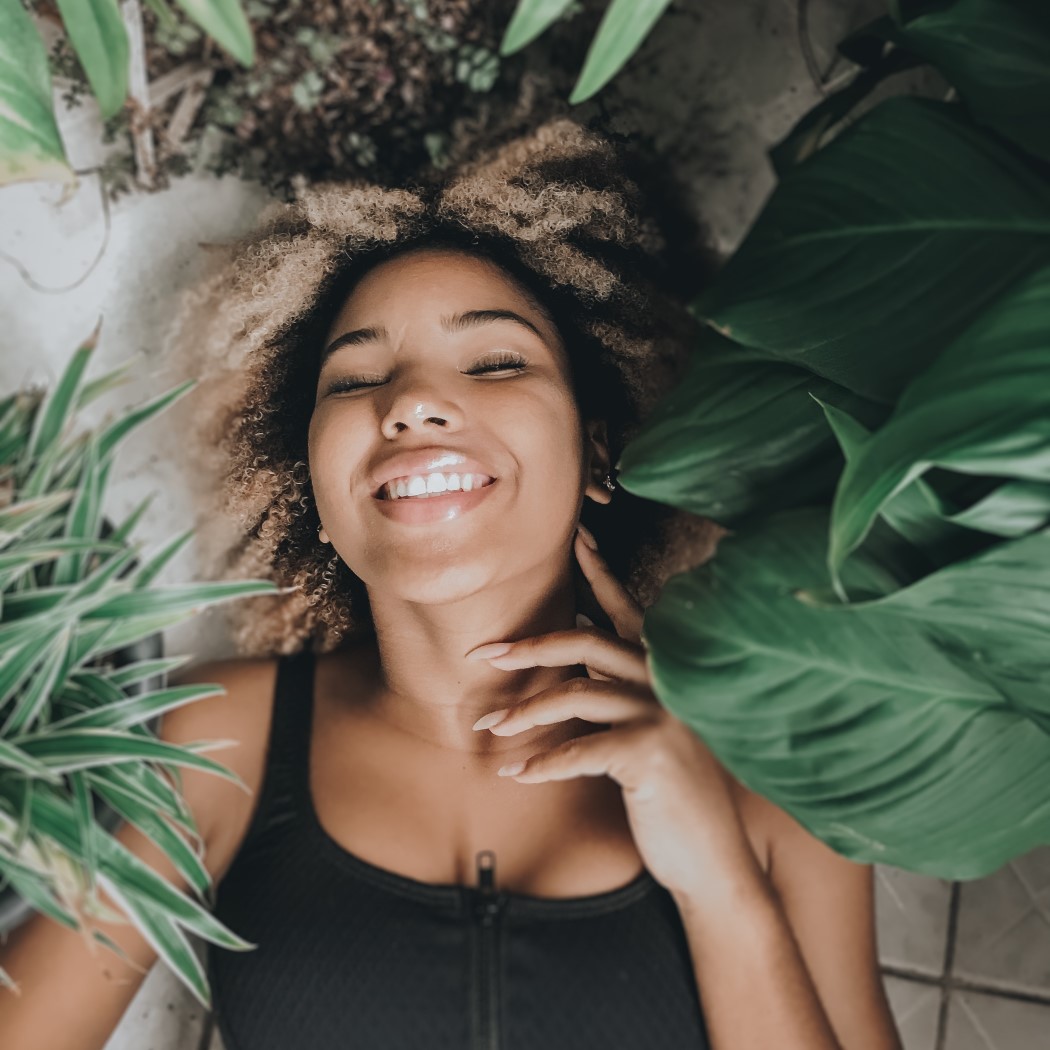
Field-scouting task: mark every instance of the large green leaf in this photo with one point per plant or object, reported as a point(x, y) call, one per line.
point(917, 512)
point(806, 136)
point(530, 19)
point(739, 436)
point(913, 730)
point(982, 408)
point(996, 53)
point(625, 24)
point(875, 252)
point(30, 144)
point(226, 22)
point(101, 42)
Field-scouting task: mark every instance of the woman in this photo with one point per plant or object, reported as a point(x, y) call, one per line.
point(470, 821)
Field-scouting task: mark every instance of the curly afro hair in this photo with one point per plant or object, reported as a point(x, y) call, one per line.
point(560, 210)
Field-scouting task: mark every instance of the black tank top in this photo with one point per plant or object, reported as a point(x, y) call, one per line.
point(353, 955)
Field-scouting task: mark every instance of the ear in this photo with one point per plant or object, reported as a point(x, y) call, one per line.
point(596, 458)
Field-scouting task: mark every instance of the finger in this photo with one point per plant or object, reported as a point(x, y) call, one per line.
point(607, 703)
point(613, 753)
point(612, 596)
point(589, 646)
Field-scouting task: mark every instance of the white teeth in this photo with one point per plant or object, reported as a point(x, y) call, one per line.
point(423, 485)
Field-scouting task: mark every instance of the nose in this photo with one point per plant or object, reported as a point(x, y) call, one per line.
point(412, 409)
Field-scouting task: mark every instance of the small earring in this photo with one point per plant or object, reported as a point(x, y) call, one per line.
point(320, 529)
point(609, 483)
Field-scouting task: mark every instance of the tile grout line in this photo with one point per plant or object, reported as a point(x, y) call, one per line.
point(964, 984)
point(949, 960)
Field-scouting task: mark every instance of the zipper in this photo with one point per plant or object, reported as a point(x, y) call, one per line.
point(488, 904)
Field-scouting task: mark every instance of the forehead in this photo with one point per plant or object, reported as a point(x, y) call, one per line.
point(430, 282)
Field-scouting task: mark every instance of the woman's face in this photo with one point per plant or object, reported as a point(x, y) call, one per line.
point(494, 390)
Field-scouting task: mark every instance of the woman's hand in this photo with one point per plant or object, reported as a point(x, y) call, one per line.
point(679, 798)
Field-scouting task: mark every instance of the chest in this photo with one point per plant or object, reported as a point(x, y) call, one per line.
point(411, 809)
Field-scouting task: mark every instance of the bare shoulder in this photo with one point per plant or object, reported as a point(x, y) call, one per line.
point(829, 902)
point(242, 713)
point(780, 841)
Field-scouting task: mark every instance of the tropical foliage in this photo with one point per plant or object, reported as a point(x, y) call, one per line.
point(869, 414)
point(30, 144)
point(623, 28)
point(76, 712)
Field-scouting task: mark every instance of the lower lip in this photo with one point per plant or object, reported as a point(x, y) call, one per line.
point(446, 507)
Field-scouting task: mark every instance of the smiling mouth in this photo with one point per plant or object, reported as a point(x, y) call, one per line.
point(384, 492)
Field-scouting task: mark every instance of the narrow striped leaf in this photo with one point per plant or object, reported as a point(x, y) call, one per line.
point(136, 709)
point(179, 598)
point(127, 526)
point(57, 407)
point(30, 886)
point(36, 698)
point(100, 40)
point(165, 937)
point(15, 563)
point(623, 28)
point(51, 816)
point(149, 572)
point(143, 670)
point(185, 860)
point(85, 817)
point(20, 660)
point(20, 517)
point(95, 388)
point(226, 23)
point(531, 18)
point(65, 750)
point(12, 757)
point(133, 419)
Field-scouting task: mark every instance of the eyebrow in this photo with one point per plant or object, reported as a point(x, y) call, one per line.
point(450, 323)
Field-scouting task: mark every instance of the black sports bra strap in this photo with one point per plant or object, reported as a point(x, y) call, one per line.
point(287, 750)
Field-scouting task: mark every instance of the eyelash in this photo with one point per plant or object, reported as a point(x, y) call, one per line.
point(492, 363)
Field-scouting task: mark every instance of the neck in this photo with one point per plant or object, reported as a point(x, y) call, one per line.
point(425, 686)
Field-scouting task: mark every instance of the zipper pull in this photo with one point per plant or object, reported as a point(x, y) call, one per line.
point(489, 903)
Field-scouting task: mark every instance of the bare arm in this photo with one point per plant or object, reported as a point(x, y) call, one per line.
point(72, 997)
point(787, 957)
point(753, 984)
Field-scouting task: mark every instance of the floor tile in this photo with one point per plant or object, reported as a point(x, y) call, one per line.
point(915, 1008)
point(164, 1015)
point(977, 1021)
point(911, 914)
point(1004, 926)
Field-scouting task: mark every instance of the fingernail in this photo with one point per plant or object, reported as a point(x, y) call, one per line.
point(583, 621)
point(491, 719)
point(484, 652)
point(510, 771)
point(587, 537)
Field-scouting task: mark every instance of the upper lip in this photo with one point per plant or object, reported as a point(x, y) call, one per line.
point(424, 461)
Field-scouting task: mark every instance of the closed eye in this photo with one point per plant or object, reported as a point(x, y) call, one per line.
point(501, 363)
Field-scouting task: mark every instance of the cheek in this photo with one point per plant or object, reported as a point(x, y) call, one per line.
point(550, 453)
point(335, 456)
